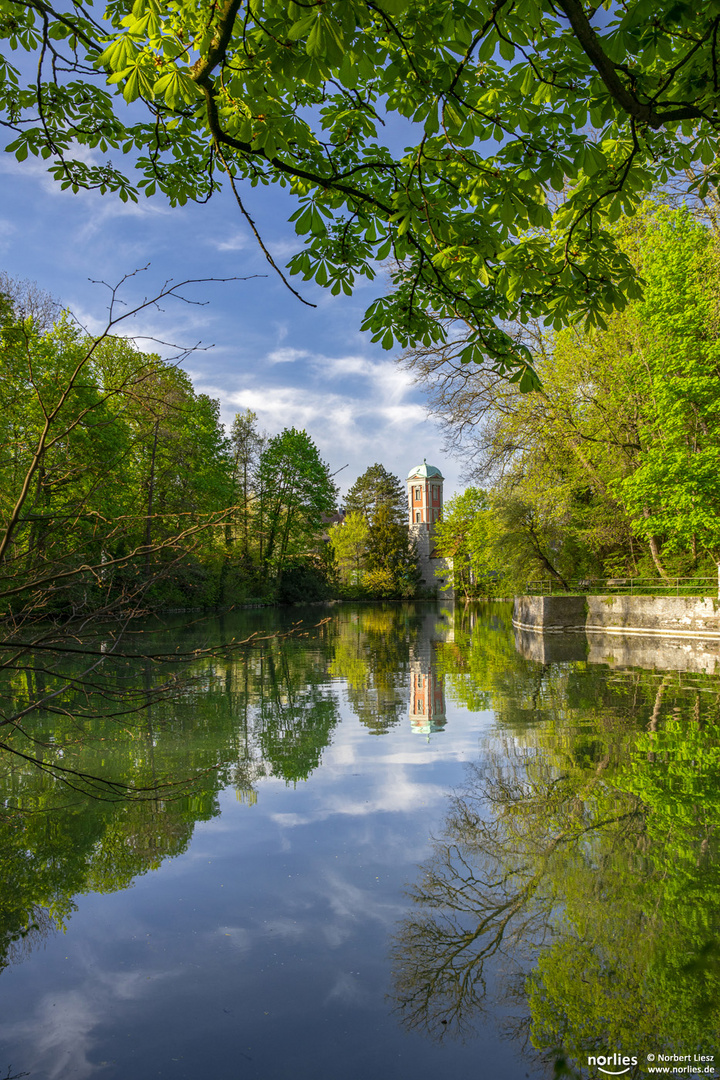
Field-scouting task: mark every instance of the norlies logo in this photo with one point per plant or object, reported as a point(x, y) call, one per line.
point(602, 1061)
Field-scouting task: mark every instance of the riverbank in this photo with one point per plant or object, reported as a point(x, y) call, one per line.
point(658, 616)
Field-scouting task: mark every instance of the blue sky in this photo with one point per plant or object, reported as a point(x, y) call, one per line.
point(293, 365)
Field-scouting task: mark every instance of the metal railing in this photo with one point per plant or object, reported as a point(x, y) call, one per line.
point(628, 586)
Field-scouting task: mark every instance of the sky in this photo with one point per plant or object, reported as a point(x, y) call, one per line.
point(262, 349)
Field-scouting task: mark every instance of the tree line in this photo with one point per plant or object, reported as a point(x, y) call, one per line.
point(611, 468)
point(121, 490)
point(122, 495)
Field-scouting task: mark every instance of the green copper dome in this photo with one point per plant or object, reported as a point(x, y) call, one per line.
point(424, 471)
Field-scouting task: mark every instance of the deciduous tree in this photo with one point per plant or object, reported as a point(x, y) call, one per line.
point(529, 127)
point(465, 534)
point(296, 493)
point(612, 467)
point(348, 541)
point(391, 556)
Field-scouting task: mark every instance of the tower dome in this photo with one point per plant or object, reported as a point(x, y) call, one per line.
point(424, 472)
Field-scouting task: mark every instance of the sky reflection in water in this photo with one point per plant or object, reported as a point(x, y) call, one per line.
point(277, 938)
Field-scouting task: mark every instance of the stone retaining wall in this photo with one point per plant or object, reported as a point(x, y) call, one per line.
point(556, 613)
point(660, 616)
point(650, 651)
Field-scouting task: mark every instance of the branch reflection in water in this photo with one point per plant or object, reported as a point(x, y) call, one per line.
point(237, 715)
point(142, 775)
point(574, 890)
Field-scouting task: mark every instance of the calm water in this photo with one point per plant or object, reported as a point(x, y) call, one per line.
point(399, 845)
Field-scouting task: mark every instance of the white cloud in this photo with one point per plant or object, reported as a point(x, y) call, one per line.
point(60, 1035)
point(395, 793)
point(284, 249)
point(171, 328)
point(239, 936)
point(135, 246)
point(348, 989)
point(286, 356)
point(100, 209)
point(35, 169)
point(340, 423)
point(357, 409)
point(348, 902)
point(389, 381)
point(235, 242)
point(404, 414)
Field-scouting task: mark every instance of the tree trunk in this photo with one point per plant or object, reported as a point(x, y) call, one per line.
point(653, 724)
point(544, 559)
point(246, 513)
point(151, 493)
point(654, 550)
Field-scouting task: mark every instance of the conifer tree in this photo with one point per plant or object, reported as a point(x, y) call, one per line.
point(377, 487)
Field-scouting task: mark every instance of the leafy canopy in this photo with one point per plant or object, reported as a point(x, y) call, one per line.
point(519, 131)
point(613, 467)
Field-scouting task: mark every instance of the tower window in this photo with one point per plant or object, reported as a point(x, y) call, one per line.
point(417, 515)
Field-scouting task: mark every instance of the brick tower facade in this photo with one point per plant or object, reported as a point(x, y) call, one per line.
point(425, 503)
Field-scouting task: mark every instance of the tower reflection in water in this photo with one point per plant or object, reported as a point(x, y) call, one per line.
point(427, 689)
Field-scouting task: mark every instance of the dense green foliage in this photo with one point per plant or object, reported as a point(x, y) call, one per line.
point(348, 544)
point(372, 549)
point(466, 534)
point(295, 492)
point(613, 467)
point(119, 488)
point(529, 126)
point(283, 495)
point(113, 476)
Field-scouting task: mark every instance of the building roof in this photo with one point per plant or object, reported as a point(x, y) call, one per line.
point(425, 470)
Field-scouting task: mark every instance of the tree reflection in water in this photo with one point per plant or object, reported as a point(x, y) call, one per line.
point(263, 712)
point(575, 886)
point(575, 889)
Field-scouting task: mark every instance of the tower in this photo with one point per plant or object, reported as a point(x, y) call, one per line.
point(425, 503)
point(425, 488)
